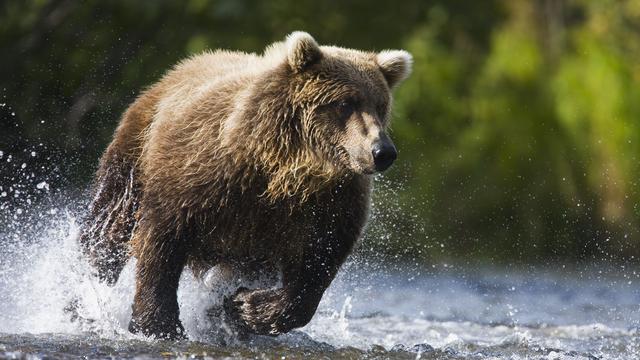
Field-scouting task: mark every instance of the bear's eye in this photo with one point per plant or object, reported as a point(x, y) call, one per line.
point(345, 108)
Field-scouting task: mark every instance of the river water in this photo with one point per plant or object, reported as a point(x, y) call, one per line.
point(373, 309)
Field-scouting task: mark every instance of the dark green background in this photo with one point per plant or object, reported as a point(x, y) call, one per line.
point(518, 132)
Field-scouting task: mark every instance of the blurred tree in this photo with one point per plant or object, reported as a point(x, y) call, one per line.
point(534, 151)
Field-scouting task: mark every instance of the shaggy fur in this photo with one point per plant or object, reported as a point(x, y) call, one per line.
point(247, 161)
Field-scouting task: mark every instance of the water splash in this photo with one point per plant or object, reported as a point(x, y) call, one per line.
point(42, 276)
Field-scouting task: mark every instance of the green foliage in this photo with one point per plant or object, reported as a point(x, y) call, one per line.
point(519, 130)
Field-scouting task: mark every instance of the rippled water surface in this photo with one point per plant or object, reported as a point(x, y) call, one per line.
point(372, 309)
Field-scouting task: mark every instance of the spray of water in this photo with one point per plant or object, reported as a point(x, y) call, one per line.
point(47, 287)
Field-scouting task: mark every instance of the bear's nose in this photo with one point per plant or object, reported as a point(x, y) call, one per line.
point(384, 153)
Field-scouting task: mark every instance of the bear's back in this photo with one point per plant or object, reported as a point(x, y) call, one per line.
point(183, 86)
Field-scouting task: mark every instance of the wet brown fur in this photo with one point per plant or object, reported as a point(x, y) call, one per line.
point(237, 159)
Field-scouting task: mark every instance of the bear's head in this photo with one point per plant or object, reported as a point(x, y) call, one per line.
point(332, 107)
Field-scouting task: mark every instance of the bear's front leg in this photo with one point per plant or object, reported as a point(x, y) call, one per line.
point(277, 311)
point(155, 308)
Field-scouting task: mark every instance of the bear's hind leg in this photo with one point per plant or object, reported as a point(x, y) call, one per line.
point(107, 228)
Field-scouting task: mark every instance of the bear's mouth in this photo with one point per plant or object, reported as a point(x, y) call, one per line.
point(359, 168)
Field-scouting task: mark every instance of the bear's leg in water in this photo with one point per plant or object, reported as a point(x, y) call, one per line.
point(161, 258)
point(277, 311)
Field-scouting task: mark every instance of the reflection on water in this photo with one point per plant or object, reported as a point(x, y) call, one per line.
point(372, 310)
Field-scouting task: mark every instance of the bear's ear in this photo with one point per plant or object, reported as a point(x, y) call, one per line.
point(395, 65)
point(302, 50)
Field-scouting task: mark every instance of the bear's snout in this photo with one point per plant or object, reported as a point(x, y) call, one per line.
point(384, 153)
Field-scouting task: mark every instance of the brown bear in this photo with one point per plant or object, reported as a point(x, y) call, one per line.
point(249, 162)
